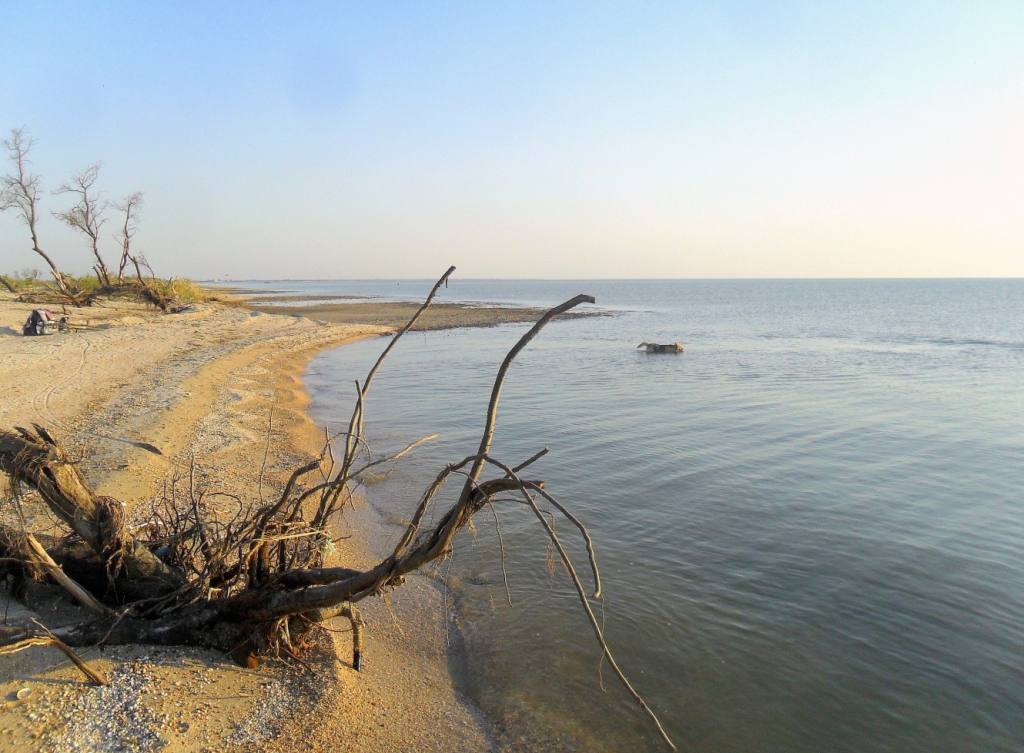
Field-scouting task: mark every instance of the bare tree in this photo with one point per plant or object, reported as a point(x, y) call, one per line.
point(130, 207)
point(87, 214)
point(19, 190)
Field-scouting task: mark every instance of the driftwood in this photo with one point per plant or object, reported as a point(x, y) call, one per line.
point(257, 580)
point(48, 639)
point(54, 570)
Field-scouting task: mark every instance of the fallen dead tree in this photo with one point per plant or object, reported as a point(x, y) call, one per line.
point(255, 579)
point(141, 290)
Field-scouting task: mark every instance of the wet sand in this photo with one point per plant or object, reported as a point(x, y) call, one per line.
point(396, 314)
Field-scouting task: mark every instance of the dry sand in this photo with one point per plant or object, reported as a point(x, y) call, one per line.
point(203, 381)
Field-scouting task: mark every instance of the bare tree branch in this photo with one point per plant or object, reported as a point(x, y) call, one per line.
point(86, 215)
point(49, 639)
point(82, 596)
point(130, 206)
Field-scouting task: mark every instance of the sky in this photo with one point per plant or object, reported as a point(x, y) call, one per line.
point(530, 140)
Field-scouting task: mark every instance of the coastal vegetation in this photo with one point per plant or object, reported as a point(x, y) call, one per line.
point(180, 290)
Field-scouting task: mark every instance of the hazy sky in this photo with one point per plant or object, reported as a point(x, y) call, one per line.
point(731, 139)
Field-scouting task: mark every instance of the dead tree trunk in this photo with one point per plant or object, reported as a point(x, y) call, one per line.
point(131, 206)
point(36, 459)
point(148, 292)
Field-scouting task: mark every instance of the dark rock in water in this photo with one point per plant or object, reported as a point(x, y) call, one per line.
point(661, 348)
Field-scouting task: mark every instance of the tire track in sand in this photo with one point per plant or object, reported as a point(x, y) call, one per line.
point(47, 392)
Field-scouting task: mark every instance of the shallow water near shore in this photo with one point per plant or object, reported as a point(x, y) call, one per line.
point(808, 524)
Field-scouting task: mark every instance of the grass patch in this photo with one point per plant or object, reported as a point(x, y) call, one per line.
point(181, 289)
point(22, 283)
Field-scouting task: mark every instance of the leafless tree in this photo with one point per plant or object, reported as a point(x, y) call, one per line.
point(19, 190)
point(87, 214)
point(130, 207)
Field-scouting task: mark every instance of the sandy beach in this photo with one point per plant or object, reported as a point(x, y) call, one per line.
point(202, 383)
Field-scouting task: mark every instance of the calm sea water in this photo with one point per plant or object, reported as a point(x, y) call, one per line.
point(809, 524)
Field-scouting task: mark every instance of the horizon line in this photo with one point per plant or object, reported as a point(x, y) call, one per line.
point(591, 279)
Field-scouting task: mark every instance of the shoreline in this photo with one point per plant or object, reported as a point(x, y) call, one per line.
point(202, 382)
point(406, 635)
